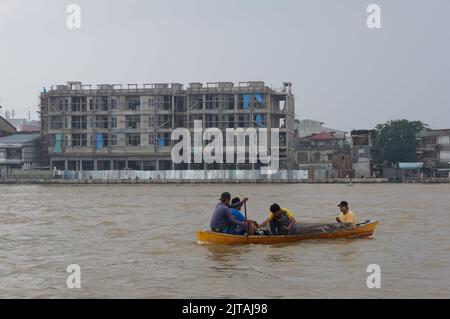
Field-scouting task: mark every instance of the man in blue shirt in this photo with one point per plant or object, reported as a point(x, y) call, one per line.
point(237, 215)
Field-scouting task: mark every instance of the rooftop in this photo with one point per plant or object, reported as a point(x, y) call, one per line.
point(429, 132)
point(79, 87)
point(323, 136)
point(19, 138)
point(6, 125)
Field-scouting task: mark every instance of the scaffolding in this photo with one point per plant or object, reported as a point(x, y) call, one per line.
point(133, 123)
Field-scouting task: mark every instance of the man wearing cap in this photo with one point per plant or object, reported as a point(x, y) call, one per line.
point(222, 219)
point(347, 217)
point(237, 214)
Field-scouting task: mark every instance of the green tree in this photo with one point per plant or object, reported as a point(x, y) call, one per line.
point(396, 141)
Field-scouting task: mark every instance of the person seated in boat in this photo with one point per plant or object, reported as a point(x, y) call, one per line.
point(346, 216)
point(237, 214)
point(222, 219)
point(281, 221)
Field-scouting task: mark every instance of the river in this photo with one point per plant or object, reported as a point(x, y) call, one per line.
point(137, 241)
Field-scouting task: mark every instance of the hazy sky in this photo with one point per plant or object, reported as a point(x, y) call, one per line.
point(343, 73)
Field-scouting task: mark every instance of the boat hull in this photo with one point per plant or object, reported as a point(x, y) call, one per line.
point(208, 237)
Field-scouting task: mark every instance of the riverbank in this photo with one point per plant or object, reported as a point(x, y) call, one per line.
point(191, 177)
point(217, 181)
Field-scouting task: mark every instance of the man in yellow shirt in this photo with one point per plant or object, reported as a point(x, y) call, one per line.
point(346, 216)
point(281, 220)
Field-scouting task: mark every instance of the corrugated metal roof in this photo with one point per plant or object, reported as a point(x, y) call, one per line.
point(19, 138)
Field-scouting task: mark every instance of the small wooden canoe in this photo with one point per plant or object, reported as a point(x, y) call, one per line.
point(359, 231)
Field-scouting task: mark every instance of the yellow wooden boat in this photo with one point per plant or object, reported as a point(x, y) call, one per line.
point(358, 231)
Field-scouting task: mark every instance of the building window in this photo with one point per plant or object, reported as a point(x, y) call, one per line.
point(101, 140)
point(151, 121)
point(149, 165)
point(79, 122)
point(303, 157)
point(60, 165)
point(113, 104)
point(244, 120)
point(152, 139)
point(259, 100)
point(164, 121)
point(76, 104)
point(14, 154)
point(228, 121)
point(151, 103)
point(119, 165)
point(113, 140)
point(56, 122)
point(79, 140)
point(133, 122)
point(260, 120)
point(163, 103)
point(133, 140)
point(103, 165)
point(228, 102)
point(164, 139)
point(195, 102)
point(283, 139)
point(212, 102)
point(316, 156)
point(83, 104)
point(134, 103)
point(101, 121)
point(212, 120)
point(134, 165)
point(113, 122)
point(88, 165)
point(104, 103)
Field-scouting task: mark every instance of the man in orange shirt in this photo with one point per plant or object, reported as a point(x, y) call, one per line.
point(346, 216)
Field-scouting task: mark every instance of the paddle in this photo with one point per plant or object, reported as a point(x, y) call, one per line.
point(246, 220)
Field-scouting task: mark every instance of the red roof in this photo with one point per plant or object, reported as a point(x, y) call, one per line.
point(29, 128)
point(323, 136)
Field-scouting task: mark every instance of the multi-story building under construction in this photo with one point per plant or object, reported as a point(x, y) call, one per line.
point(118, 127)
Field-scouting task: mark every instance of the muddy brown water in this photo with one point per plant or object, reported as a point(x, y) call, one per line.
point(138, 242)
